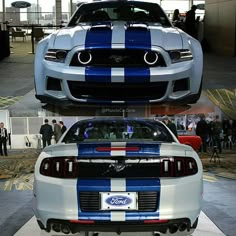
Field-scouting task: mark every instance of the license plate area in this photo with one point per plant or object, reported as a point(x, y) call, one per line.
point(119, 200)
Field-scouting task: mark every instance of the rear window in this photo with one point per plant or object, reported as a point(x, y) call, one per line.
point(117, 130)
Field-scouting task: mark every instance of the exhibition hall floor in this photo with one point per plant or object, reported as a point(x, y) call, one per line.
point(205, 228)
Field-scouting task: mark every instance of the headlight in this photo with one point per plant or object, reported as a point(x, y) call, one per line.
point(180, 55)
point(56, 55)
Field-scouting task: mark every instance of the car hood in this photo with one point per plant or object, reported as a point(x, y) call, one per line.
point(117, 34)
point(129, 149)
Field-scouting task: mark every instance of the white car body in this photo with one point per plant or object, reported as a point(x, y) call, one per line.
point(178, 199)
point(61, 78)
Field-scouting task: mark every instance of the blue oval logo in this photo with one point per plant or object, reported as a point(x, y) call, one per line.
point(21, 4)
point(118, 200)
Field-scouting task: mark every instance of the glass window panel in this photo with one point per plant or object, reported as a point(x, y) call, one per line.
point(170, 6)
point(41, 12)
point(68, 121)
point(19, 125)
point(35, 124)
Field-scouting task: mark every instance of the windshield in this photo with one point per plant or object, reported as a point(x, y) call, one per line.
point(117, 130)
point(120, 11)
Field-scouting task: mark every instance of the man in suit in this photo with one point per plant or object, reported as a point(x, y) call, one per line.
point(203, 132)
point(47, 132)
point(3, 139)
point(63, 127)
point(56, 130)
point(170, 125)
point(190, 22)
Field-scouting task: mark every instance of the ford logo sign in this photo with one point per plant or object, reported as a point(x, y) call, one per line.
point(118, 200)
point(21, 4)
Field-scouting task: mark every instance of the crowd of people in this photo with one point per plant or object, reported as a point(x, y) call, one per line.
point(189, 23)
point(216, 133)
point(48, 131)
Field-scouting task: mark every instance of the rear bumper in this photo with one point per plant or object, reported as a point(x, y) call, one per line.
point(172, 226)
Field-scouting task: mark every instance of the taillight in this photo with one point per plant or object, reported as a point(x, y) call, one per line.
point(68, 167)
point(178, 166)
point(63, 167)
point(109, 149)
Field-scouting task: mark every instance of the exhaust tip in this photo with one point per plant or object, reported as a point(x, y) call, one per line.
point(173, 228)
point(56, 227)
point(183, 226)
point(65, 229)
point(156, 234)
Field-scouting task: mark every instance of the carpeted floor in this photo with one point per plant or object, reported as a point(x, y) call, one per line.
point(16, 170)
point(19, 47)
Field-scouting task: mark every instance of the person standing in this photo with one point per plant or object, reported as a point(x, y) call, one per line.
point(46, 132)
point(170, 125)
point(3, 139)
point(56, 130)
point(190, 22)
point(216, 131)
point(202, 131)
point(63, 127)
point(176, 15)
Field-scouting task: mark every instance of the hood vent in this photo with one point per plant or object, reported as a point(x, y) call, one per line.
point(136, 26)
point(101, 26)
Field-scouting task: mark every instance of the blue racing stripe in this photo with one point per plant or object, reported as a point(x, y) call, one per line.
point(98, 75)
point(152, 185)
point(137, 38)
point(145, 149)
point(98, 185)
point(137, 75)
point(89, 150)
point(98, 37)
point(138, 185)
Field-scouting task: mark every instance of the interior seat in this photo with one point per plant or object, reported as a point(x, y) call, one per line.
point(100, 16)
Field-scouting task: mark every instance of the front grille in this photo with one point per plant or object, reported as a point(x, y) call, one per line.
point(147, 201)
point(118, 58)
point(118, 91)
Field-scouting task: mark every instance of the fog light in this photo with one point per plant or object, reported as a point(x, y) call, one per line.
point(84, 57)
point(150, 58)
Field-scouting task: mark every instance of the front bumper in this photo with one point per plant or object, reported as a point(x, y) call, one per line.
point(54, 100)
point(154, 85)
